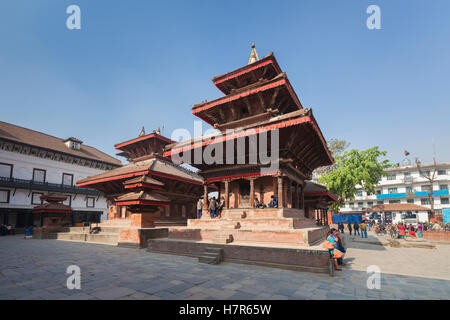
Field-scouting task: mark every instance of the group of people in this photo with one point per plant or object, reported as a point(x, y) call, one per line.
point(336, 248)
point(355, 227)
point(6, 229)
point(405, 230)
point(215, 207)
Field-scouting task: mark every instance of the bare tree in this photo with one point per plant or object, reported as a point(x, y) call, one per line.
point(430, 177)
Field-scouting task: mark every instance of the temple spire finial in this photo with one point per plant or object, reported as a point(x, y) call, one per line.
point(142, 133)
point(253, 55)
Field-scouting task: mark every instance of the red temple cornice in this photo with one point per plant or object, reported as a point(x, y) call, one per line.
point(320, 194)
point(142, 202)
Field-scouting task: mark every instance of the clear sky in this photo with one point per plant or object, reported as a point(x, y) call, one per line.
point(144, 63)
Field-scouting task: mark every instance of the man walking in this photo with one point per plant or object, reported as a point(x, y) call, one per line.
point(341, 227)
point(199, 208)
point(363, 228)
point(349, 226)
point(356, 228)
point(213, 207)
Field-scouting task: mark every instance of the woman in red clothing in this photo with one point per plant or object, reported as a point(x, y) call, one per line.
point(401, 230)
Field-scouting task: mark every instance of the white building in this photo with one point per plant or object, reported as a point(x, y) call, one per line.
point(33, 164)
point(403, 185)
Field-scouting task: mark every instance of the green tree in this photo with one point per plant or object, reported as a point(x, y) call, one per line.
point(354, 168)
point(336, 147)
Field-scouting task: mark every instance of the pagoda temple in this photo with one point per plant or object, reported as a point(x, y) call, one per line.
point(148, 192)
point(259, 118)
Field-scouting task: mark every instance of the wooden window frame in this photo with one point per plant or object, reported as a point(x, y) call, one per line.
point(32, 197)
point(11, 166)
point(45, 174)
point(69, 196)
point(67, 174)
point(87, 202)
point(8, 198)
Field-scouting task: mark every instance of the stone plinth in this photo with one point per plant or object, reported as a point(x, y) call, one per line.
point(143, 220)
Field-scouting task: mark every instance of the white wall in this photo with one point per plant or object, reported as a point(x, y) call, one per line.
point(23, 169)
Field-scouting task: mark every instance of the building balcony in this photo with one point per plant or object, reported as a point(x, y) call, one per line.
point(45, 186)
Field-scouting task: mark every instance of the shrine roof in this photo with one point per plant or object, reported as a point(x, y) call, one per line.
point(144, 179)
point(316, 190)
point(268, 61)
point(396, 207)
point(260, 86)
point(54, 207)
point(154, 135)
point(54, 197)
point(142, 195)
point(153, 167)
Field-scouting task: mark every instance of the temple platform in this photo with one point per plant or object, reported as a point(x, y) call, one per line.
point(299, 258)
point(281, 238)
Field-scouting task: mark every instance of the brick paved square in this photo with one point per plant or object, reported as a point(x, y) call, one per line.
point(36, 269)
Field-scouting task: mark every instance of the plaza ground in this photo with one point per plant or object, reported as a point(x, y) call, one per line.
point(36, 269)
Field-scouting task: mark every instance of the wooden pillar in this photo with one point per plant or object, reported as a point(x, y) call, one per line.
point(302, 197)
point(205, 198)
point(227, 194)
point(252, 193)
point(297, 200)
point(280, 192)
point(290, 203)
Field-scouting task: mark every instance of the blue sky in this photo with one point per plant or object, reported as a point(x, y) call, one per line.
point(144, 63)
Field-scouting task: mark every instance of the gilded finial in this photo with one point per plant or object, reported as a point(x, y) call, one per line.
point(142, 133)
point(158, 131)
point(253, 55)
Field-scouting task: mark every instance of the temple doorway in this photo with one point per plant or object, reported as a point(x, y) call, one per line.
point(244, 194)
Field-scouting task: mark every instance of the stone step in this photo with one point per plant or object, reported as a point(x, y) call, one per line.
point(246, 213)
point(211, 255)
point(252, 223)
point(306, 236)
point(208, 260)
point(85, 237)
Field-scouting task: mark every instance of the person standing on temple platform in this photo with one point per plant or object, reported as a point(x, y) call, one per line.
point(274, 202)
point(356, 228)
point(213, 207)
point(349, 226)
point(220, 207)
point(199, 208)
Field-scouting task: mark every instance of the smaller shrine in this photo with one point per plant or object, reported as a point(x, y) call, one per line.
point(54, 214)
point(317, 202)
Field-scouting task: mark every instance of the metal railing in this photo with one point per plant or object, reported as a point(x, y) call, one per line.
point(45, 186)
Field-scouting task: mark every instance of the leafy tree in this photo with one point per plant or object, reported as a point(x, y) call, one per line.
point(354, 168)
point(336, 147)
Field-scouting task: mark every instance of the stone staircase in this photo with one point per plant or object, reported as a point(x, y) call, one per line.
point(211, 255)
point(107, 235)
point(271, 226)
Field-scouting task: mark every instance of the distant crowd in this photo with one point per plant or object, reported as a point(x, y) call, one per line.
point(215, 207)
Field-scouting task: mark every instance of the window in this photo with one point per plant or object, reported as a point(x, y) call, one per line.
point(426, 173)
point(394, 201)
point(380, 202)
point(426, 187)
point(443, 187)
point(359, 193)
point(36, 198)
point(407, 174)
point(67, 179)
point(351, 204)
point(424, 201)
point(90, 202)
point(392, 176)
point(392, 190)
point(410, 200)
point(360, 205)
point(444, 201)
point(378, 191)
point(409, 190)
point(4, 196)
point(68, 201)
point(6, 170)
point(39, 175)
point(442, 172)
point(370, 204)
